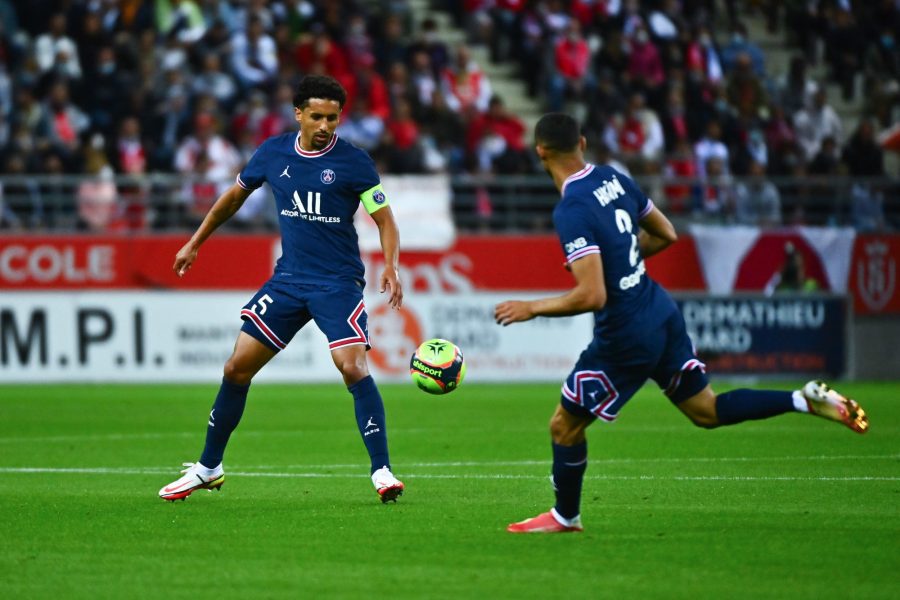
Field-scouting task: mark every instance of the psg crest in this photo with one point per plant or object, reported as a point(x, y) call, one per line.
point(327, 176)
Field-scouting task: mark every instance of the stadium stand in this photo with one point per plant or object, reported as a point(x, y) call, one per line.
point(721, 109)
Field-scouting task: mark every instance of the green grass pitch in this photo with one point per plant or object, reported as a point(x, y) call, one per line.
point(792, 507)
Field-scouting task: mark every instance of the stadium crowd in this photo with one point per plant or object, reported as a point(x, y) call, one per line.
point(191, 87)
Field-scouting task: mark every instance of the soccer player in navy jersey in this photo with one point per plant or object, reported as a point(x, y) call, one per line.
point(318, 181)
point(607, 226)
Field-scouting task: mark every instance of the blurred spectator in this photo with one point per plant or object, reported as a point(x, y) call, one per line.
point(716, 193)
point(792, 276)
point(216, 82)
point(369, 84)
point(702, 57)
point(739, 44)
point(57, 194)
point(572, 76)
point(390, 47)
point(96, 195)
point(465, 86)
point(209, 162)
point(757, 201)
point(361, 126)
point(106, 87)
point(710, 146)
point(645, 66)
point(256, 116)
point(66, 122)
point(745, 89)
point(496, 139)
point(401, 142)
point(426, 42)
point(422, 78)
point(636, 136)
point(180, 19)
point(844, 49)
point(816, 122)
point(680, 164)
point(827, 159)
point(20, 200)
point(56, 51)
point(795, 89)
point(253, 55)
point(862, 154)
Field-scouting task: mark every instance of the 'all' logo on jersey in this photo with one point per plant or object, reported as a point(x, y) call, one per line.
point(313, 205)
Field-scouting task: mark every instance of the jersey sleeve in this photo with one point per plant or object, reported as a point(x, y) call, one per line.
point(253, 175)
point(368, 186)
point(644, 203)
point(572, 227)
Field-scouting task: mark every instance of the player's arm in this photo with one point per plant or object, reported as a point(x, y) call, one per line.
point(226, 205)
point(389, 235)
point(656, 234)
point(589, 294)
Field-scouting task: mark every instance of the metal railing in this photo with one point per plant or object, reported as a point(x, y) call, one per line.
point(495, 204)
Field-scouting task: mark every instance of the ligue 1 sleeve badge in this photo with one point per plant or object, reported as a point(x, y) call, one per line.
point(327, 176)
point(378, 197)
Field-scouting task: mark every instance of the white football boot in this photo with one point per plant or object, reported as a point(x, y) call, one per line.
point(828, 403)
point(196, 477)
point(387, 486)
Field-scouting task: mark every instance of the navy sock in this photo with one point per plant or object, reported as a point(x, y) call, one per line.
point(224, 417)
point(745, 405)
point(569, 464)
point(370, 419)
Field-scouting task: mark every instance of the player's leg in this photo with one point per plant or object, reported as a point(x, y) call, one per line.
point(248, 358)
point(341, 315)
point(707, 409)
point(569, 465)
point(271, 319)
point(370, 417)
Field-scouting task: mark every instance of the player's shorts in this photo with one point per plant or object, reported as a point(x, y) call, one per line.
point(606, 376)
point(279, 310)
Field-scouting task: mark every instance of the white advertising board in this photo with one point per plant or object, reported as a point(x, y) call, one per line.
point(187, 336)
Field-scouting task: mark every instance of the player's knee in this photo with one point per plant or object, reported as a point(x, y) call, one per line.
point(562, 433)
point(353, 370)
point(703, 418)
point(236, 374)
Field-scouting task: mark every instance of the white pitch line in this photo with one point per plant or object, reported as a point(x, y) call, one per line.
point(591, 461)
point(126, 471)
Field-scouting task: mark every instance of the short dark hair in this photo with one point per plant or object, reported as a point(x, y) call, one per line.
point(319, 86)
point(558, 132)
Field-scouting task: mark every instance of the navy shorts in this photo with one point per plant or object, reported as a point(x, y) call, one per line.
point(279, 310)
point(607, 375)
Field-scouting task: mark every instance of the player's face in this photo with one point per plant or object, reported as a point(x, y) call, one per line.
point(318, 120)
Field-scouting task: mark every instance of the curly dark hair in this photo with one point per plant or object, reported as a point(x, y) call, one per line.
point(558, 132)
point(319, 86)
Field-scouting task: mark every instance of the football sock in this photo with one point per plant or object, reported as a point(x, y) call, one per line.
point(370, 419)
point(745, 405)
point(223, 418)
point(569, 464)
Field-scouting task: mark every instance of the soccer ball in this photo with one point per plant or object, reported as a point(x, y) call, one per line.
point(437, 366)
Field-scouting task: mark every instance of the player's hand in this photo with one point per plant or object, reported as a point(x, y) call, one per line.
point(184, 259)
point(390, 282)
point(512, 311)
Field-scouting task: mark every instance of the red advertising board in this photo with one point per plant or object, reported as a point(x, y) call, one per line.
point(241, 262)
point(873, 274)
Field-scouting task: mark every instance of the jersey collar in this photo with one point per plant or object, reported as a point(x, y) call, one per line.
point(576, 176)
point(315, 153)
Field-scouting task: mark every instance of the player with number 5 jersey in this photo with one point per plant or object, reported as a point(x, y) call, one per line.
point(318, 182)
point(606, 227)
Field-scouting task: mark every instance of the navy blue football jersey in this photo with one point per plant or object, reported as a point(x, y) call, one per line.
point(316, 195)
point(599, 214)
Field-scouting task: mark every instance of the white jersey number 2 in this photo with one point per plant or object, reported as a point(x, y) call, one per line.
point(623, 222)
